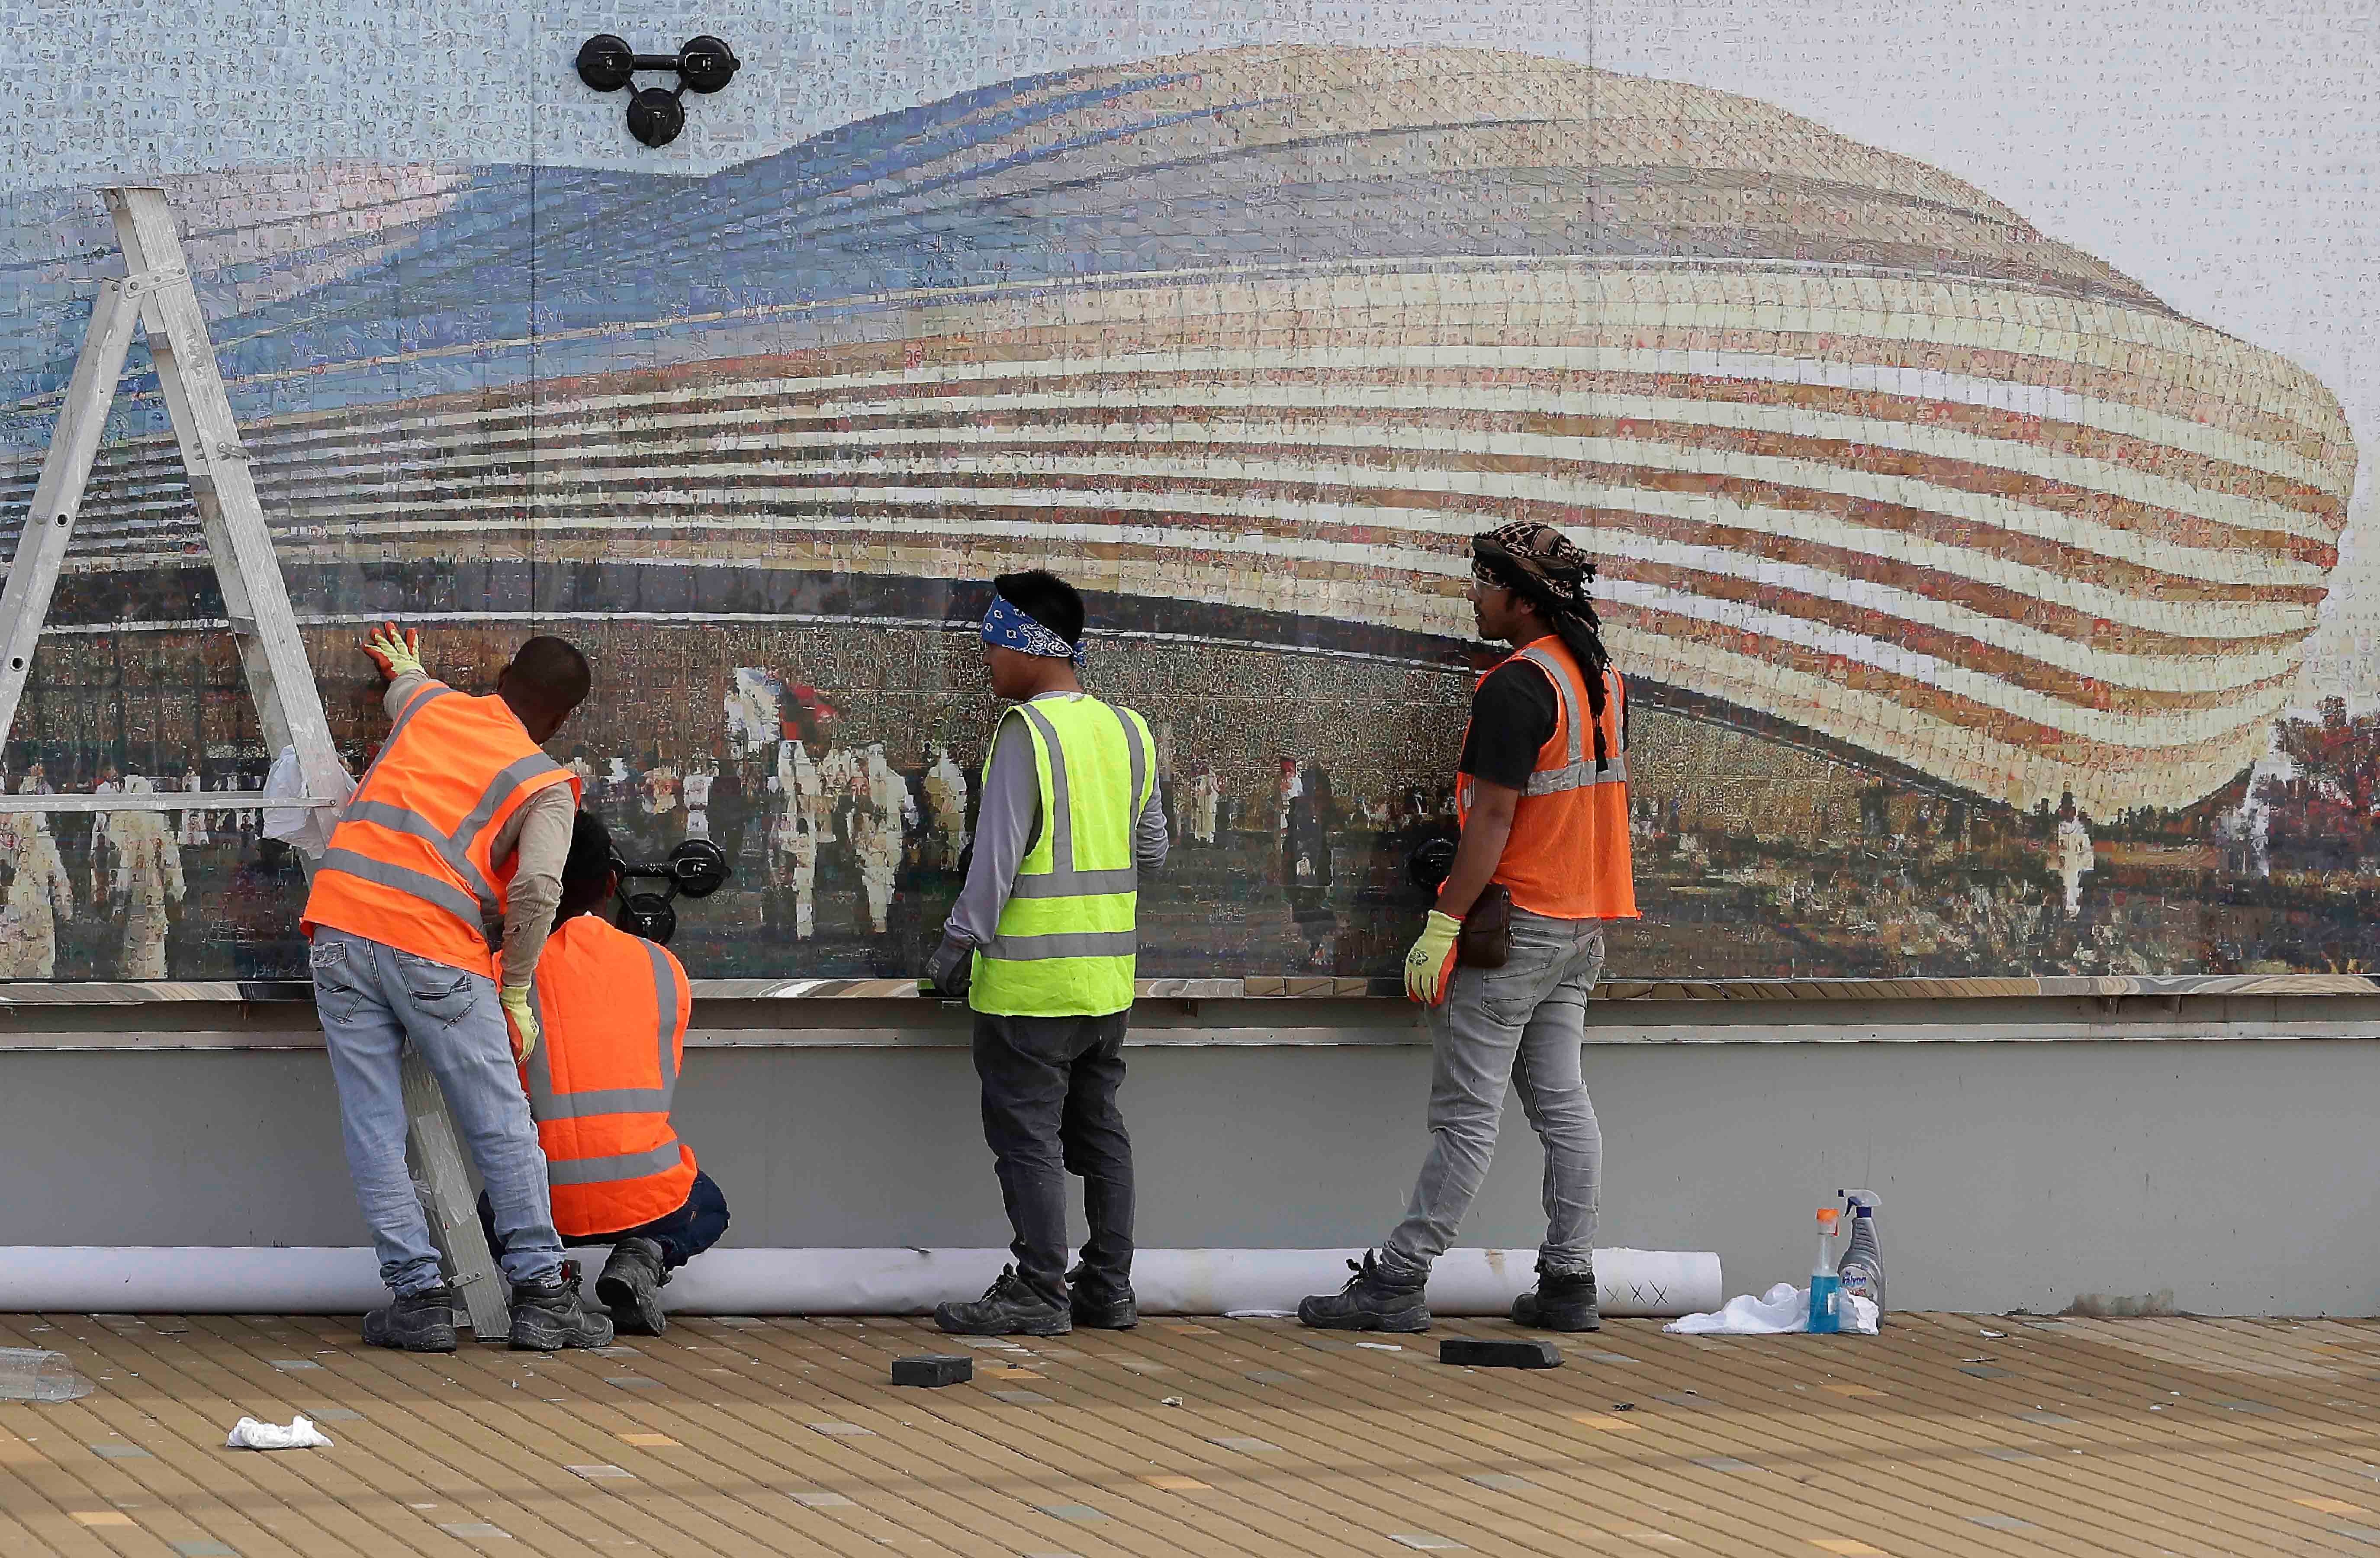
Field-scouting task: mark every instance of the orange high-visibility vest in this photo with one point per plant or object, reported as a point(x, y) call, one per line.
point(409, 864)
point(1568, 857)
point(612, 1009)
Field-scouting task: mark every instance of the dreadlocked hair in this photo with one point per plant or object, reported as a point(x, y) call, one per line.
point(1582, 633)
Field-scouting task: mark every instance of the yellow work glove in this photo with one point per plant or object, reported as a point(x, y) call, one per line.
point(520, 1019)
point(1430, 964)
point(397, 655)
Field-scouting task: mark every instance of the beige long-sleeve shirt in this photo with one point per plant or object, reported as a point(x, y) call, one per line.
point(537, 834)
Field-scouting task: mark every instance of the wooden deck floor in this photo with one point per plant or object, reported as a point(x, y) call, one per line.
point(1220, 1437)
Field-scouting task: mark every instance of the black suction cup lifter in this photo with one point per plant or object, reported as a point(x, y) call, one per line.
point(656, 115)
point(649, 915)
point(605, 62)
point(695, 868)
point(1429, 864)
point(699, 868)
point(706, 65)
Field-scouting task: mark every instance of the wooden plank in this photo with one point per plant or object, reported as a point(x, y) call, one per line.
point(1731, 1450)
point(499, 1413)
point(197, 1401)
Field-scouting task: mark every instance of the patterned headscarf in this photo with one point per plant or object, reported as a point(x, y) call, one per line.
point(1536, 561)
point(1543, 566)
point(1004, 627)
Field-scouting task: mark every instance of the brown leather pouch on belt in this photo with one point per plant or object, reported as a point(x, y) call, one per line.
point(1485, 940)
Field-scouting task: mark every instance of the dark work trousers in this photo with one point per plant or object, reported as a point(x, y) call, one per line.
point(694, 1227)
point(1050, 1110)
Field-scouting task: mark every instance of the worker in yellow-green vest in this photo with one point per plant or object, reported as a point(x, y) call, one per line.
point(1041, 943)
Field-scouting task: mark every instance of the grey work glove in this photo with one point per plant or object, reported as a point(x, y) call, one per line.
point(951, 969)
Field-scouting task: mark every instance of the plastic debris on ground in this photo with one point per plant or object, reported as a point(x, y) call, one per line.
point(36, 1374)
point(301, 1434)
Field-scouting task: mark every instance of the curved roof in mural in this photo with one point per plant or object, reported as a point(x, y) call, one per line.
point(1256, 157)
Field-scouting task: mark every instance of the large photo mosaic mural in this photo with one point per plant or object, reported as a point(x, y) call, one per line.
point(1965, 585)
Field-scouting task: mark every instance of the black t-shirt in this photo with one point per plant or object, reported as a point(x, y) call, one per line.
point(1512, 716)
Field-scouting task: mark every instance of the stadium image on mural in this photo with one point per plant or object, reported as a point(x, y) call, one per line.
point(1962, 584)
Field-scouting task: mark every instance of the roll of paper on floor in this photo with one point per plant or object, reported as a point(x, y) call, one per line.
point(1471, 1352)
point(933, 1372)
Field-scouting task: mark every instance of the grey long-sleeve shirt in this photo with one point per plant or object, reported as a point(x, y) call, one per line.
point(1008, 824)
point(537, 832)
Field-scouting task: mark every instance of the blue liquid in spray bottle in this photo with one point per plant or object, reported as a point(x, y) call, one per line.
point(1826, 1289)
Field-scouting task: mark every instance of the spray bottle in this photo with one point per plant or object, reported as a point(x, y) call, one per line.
point(1861, 1267)
point(1826, 1288)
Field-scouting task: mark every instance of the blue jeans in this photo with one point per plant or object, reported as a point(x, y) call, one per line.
point(1521, 1024)
point(373, 1000)
point(694, 1227)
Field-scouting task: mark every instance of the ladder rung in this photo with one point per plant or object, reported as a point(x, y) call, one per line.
point(186, 800)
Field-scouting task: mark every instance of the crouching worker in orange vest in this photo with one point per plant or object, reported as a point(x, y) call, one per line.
point(460, 819)
point(612, 1010)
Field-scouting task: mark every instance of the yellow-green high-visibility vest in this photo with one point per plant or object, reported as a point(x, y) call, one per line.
point(1064, 943)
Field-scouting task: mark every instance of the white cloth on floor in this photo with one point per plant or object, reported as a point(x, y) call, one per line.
point(301, 1434)
point(1782, 1309)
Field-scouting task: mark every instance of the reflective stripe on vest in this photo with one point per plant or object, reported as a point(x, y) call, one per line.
point(1063, 881)
point(1066, 941)
point(602, 1077)
point(1579, 770)
point(410, 864)
point(547, 1104)
point(1568, 856)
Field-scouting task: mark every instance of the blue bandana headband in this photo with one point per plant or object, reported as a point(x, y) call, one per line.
point(1006, 627)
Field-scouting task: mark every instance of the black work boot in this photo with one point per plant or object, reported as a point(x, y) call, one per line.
point(1563, 1301)
point(631, 1289)
point(1097, 1307)
point(1372, 1300)
point(550, 1316)
point(419, 1322)
point(1008, 1308)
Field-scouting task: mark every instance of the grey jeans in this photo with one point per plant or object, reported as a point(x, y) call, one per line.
point(1525, 1021)
point(373, 1000)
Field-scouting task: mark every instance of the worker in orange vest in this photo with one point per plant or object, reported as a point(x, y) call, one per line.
point(460, 821)
point(1542, 790)
point(612, 1008)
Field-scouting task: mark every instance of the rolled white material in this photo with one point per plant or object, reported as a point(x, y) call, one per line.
point(166, 1279)
point(177, 1280)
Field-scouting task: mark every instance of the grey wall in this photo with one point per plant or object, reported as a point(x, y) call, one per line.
point(2235, 1175)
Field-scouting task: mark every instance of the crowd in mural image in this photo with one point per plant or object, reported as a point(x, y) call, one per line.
point(839, 850)
point(111, 885)
point(845, 855)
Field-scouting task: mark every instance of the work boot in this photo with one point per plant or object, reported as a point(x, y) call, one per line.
point(550, 1316)
point(1372, 1300)
point(1008, 1308)
point(631, 1289)
point(1563, 1301)
point(414, 1322)
point(1099, 1309)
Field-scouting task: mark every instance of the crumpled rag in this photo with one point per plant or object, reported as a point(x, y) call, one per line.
point(1782, 1309)
point(301, 1434)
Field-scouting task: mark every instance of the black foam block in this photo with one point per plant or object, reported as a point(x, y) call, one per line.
point(932, 1371)
point(1473, 1353)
